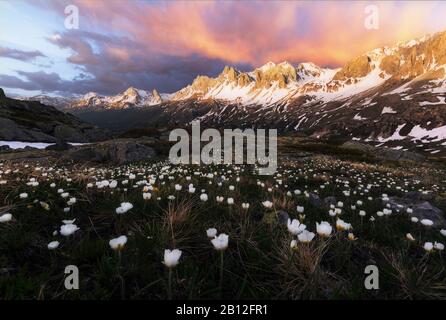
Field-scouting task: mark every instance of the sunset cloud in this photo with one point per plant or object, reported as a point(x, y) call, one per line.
point(173, 41)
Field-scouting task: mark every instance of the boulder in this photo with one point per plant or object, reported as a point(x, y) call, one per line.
point(282, 216)
point(420, 209)
point(115, 151)
point(60, 145)
point(330, 200)
point(315, 200)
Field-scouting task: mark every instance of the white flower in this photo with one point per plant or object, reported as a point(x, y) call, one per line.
point(68, 221)
point(53, 245)
point(230, 201)
point(428, 246)
point(332, 213)
point(410, 237)
point(146, 196)
point(323, 229)
point(204, 197)
point(172, 257)
point(118, 243)
point(409, 210)
point(438, 246)
point(5, 217)
point(362, 213)
point(220, 243)
point(267, 204)
point(293, 244)
point(178, 187)
point(211, 233)
point(220, 199)
point(71, 202)
point(443, 232)
point(232, 188)
point(340, 204)
point(125, 206)
point(68, 229)
point(379, 213)
point(245, 206)
point(427, 222)
point(305, 236)
point(23, 195)
point(65, 195)
point(342, 225)
point(414, 219)
point(295, 227)
point(300, 209)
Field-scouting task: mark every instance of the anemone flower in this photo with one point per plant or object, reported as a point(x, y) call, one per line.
point(68, 229)
point(295, 227)
point(410, 237)
point(324, 229)
point(211, 233)
point(118, 244)
point(5, 218)
point(428, 246)
point(171, 260)
point(53, 245)
point(342, 225)
point(305, 236)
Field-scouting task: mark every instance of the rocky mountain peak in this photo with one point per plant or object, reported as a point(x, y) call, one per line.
point(155, 98)
point(282, 73)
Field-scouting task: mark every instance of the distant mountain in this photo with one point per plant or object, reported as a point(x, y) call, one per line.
point(130, 98)
point(32, 121)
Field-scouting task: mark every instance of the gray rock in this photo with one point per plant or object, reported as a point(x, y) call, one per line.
point(420, 209)
point(4, 148)
point(115, 151)
point(282, 216)
point(425, 210)
point(383, 153)
point(315, 200)
point(60, 145)
point(2, 93)
point(330, 200)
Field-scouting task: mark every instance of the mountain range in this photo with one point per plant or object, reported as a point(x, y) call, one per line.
point(392, 95)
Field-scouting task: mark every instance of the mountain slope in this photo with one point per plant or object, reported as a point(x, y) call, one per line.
point(34, 122)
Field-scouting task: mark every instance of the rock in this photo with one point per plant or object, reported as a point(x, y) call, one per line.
point(4, 148)
point(420, 209)
point(383, 153)
point(425, 210)
point(22, 120)
point(283, 216)
point(115, 151)
point(60, 145)
point(2, 93)
point(413, 196)
point(330, 200)
point(315, 200)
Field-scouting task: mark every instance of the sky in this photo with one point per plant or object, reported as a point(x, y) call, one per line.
point(164, 45)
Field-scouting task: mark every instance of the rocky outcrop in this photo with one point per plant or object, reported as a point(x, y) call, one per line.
point(384, 153)
point(114, 151)
point(421, 209)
